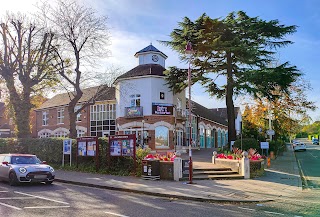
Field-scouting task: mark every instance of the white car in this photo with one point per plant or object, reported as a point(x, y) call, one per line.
point(17, 168)
point(299, 146)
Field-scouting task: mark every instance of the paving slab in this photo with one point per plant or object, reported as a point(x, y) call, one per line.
point(281, 180)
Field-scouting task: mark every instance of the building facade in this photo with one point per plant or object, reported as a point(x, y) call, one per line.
point(139, 103)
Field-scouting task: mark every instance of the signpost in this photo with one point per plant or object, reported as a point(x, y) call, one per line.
point(270, 132)
point(66, 149)
point(264, 145)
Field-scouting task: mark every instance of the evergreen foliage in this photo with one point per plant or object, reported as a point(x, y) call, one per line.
point(238, 48)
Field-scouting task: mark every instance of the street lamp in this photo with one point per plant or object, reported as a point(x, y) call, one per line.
point(189, 52)
point(142, 133)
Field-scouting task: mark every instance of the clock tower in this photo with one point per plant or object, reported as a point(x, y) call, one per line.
point(151, 55)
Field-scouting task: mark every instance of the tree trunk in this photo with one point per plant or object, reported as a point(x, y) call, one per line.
point(22, 111)
point(73, 118)
point(21, 106)
point(229, 101)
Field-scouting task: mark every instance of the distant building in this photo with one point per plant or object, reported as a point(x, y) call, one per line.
point(140, 103)
point(222, 112)
point(6, 127)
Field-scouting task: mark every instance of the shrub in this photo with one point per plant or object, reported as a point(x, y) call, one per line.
point(247, 143)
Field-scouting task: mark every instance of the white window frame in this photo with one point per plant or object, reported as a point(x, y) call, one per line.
point(45, 135)
point(60, 115)
point(60, 134)
point(135, 100)
point(76, 108)
point(45, 118)
point(80, 133)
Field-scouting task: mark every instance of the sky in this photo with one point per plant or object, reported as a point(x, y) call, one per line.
point(134, 24)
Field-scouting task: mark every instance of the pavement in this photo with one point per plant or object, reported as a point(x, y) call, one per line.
point(281, 180)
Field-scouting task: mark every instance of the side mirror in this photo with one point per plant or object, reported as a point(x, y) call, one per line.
point(5, 163)
point(44, 162)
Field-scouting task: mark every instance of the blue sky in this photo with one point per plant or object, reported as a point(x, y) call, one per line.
point(136, 23)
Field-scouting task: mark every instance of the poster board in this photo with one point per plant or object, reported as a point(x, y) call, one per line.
point(88, 147)
point(123, 146)
point(66, 149)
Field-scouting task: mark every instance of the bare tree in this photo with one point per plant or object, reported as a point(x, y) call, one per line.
point(84, 37)
point(27, 63)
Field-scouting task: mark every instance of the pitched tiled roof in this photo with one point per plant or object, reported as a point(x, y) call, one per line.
point(106, 93)
point(5, 126)
point(204, 112)
point(149, 48)
point(222, 112)
point(143, 70)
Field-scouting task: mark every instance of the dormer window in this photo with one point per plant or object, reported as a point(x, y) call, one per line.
point(135, 100)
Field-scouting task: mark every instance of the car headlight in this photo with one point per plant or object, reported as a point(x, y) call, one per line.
point(51, 169)
point(22, 170)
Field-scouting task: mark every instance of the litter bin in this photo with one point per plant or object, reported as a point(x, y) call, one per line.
point(150, 169)
point(166, 170)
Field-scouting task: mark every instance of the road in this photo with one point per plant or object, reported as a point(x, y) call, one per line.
point(309, 162)
point(70, 200)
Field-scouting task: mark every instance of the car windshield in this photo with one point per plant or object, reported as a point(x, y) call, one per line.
point(25, 160)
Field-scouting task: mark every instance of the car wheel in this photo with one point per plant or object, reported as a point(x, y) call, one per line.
point(13, 179)
point(49, 182)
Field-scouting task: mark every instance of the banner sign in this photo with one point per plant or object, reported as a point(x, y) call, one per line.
point(162, 109)
point(134, 111)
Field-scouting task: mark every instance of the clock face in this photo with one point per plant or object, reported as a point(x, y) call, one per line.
point(155, 58)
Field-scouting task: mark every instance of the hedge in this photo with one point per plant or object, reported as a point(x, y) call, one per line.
point(50, 150)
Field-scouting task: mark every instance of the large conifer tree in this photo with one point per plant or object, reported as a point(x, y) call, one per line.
point(240, 49)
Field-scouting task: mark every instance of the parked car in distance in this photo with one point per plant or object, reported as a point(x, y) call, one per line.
point(299, 146)
point(315, 141)
point(19, 168)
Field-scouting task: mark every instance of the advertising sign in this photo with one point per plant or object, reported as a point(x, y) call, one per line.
point(162, 109)
point(134, 111)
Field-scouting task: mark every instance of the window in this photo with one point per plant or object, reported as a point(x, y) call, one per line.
point(179, 137)
point(76, 108)
point(60, 116)
point(102, 120)
point(44, 135)
point(179, 104)
point(61, 134)
point(162, 137)
point(80, 133)
point(135, 99)
point(45, 118)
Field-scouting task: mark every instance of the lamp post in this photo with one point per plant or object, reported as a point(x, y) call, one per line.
point(142, 133)
point(189, 51)
point(183, 123)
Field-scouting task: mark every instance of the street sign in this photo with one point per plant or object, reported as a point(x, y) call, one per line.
point(270, 132)
point(264, 145)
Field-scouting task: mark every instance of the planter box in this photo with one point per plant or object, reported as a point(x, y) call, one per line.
point(233, 164)
point(256, 165)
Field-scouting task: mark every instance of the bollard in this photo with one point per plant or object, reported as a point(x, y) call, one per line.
point(269, 161)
